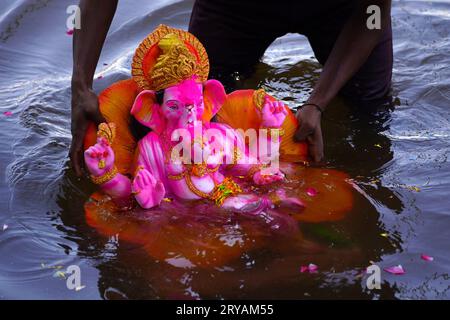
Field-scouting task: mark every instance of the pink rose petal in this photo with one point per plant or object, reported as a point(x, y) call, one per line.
point(397, 270)
point(313, 268)
point(426, 258)
point(7, 113)
point(312, 192)
point(69, 32)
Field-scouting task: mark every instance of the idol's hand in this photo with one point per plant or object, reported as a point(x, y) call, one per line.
point(147, 190)
point(268, 175)
point(99, 158)
point(273, 113)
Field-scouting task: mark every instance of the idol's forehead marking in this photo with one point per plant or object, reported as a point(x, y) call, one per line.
point(187, 92)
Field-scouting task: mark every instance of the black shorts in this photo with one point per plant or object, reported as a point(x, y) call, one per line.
point(236, 34)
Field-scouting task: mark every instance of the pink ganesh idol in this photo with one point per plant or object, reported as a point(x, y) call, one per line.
point(171, 95)
point(189, 185)
point(177, 102)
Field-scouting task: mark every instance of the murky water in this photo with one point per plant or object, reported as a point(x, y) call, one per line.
point(398, 160)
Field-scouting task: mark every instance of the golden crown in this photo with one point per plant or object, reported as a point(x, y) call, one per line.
point(167, 57)
point(174, 65)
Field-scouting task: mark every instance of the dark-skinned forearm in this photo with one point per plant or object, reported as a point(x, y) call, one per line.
point(96, 18)
point(352, 48)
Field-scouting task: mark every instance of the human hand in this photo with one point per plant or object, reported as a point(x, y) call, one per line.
point(84, 110)
point(310, 130)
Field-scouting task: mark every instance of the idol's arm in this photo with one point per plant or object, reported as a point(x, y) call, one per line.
point(264, 113)
point(147, 186)
point(96, 17)
point(119, 187)
point(99, 161)
point(352, 48)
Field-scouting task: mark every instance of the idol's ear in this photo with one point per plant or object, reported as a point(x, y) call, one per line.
point(147, 111)
point(214, 97)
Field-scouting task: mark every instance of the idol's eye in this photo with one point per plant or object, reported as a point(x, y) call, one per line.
point(172, 105)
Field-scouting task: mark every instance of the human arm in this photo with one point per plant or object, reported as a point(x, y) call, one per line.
point(96, 18)
point(351, 50)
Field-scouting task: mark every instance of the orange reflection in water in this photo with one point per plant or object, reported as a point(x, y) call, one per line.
point(188, 234)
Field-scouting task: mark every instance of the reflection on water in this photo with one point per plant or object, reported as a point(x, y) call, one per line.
point(397, 158)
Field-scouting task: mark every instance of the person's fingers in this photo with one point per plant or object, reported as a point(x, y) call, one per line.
point(76, 149)
point(75, 161)
point(303, 131)
point(319, 153)
point(97, 117)
point(315, 142)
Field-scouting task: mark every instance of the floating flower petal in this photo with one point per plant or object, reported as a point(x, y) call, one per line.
point(426, 258)
point(312, 192)
point(397, 270)
point(312, 268)
point(303, 269)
